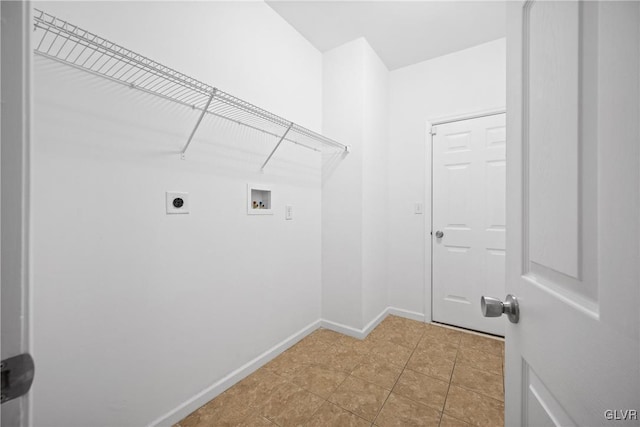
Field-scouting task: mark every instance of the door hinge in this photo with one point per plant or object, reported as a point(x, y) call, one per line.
point(434, 130)
point(17, 376)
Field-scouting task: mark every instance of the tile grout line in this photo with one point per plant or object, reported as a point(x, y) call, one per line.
point(458, 349)
point(255, 411)
point(473, 333)
point(290, 381)
point(367, 381)
point(465, 388)
point(417, 401)
point(369, 352)
point(350, 374)
point(444, 405)
point(398, 379)
point(484, 371)
point(325, 400)
point(257, 408)
point(342, 382)
point(480, 370)
point(479, 394)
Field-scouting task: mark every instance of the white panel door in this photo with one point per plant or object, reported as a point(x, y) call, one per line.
point(573, 216)
point(469, 209)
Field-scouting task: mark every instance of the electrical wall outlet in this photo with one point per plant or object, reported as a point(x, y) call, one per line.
point(288, 212)
point(177, 203)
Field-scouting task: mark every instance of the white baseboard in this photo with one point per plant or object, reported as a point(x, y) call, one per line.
point(218, 387)
point(413, 315)
point(351, 331)
point(343, 329)
point(375, 322)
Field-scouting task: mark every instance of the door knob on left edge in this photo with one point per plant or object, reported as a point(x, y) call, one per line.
point(493, 307)
point(439, 234)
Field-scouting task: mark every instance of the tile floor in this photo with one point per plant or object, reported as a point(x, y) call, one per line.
point(405, 373)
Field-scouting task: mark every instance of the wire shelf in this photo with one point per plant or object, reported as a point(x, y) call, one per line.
point(64, 42)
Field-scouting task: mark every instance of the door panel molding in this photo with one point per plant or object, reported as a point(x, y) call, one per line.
point(557, 242)
point(541, 400)
point(558, 247)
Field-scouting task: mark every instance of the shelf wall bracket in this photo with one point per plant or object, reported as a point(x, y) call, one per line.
point(276, 147)
point(193, 132)
point(61, 41)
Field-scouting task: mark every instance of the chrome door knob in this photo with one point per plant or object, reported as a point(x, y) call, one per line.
point(493, 307)
point(439, 234)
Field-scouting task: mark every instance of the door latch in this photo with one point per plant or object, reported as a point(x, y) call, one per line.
point(16, 376)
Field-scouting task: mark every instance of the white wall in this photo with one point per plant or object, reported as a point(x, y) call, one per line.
point(375, 220)
point(135, 311)
point(354, 192)
point(342, 204)
point(467, 81)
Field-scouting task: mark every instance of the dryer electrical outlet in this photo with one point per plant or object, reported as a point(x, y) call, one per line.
point(177, 203)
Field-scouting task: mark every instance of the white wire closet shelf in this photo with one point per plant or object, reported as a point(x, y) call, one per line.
point(64, 42)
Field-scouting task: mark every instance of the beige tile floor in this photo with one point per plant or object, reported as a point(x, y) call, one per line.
point(405, 373)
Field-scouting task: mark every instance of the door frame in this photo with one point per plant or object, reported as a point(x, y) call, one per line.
point(428, 197)
point(16, 76)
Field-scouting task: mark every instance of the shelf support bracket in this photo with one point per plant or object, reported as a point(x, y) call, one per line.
point(193, 132)
point(276, 147)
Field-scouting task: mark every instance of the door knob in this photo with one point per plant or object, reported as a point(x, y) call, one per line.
point(493, 307)
point(439, 234)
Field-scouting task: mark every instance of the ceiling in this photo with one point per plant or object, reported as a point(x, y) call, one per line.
point(401, 32)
